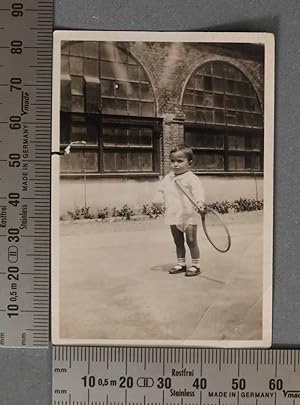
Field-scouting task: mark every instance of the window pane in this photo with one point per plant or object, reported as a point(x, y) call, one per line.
point(236, 142)
point(120, 89)
point(91, 68)
point(146, 163)
point(254, 163)
point(134, 108)
point(77, 104)
point(199, 98)
point(242, 88)
point(236, 162)
point(202, 140)
point(121, 107)
point(232, 72)
point(121, 161)
point(146, 136)
point(114, 136)
point(208, 83)
point(253, 142)
point(219, 117)
point(208, 161)
point(76, 66)
point(218, 85)
point(229, 86)
point(64, 64)
point(92, 134)
point(200, 115)
point(120, 55)
point(190, 114)
point(191, 138)
point(76, 161)
point(108, 136)
point(208, 100)
point(133, 137)
point(240, 119)
point(248, 120)
point(114, 70)
point(65, 49)
point(231, 117)
point(206, 69)
point(109, 161)
point(77, 84)
point(219, 100)
point(133, 72)
point(91, 49)
point(107, 51)
point(133, 161)
point(107, 70)
point(257, 121)
point(143, 75)
point(209, 116)
point(78, 133)
point(198, 83)
point(131, 61)
point(147, 109)
point(108, 106)
point(76, 48)
point(146, 92)
point(188, 98)
point(218, 69)
point(65, 133)
point(133, 91)
point(87, 132)
point(107, 87)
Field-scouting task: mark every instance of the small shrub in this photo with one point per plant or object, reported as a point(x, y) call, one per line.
point(241, 205)
point(221, 207)
point(153, 211)
point(247, 204)
point(125, 212)
point(81, 213)
point(102, 213)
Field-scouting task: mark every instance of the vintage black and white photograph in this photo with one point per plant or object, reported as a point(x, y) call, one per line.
point(162, 188)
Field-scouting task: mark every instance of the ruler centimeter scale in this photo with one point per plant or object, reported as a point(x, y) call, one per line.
point(175, 376)
point(25, 153)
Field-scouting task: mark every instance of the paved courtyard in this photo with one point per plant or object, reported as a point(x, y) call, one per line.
point(114, 283)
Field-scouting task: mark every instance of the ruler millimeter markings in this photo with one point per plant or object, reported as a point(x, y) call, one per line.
point(25, 154)
point(175, 376)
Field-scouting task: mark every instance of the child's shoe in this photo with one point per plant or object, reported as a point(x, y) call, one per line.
point(178, 269)
point(192, 271)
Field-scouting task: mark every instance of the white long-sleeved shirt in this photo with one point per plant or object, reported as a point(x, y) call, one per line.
point(179, 210)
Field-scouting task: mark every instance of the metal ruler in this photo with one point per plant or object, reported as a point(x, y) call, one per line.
point(175, 376)
point(25, 154)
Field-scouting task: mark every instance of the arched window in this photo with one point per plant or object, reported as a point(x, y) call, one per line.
point(224, 121)
point(107, 101)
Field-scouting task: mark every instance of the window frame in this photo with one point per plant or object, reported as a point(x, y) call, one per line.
point(225, 151)
point(199, 75)
point(100, 120)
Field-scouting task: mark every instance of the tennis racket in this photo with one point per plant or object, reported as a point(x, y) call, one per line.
point(214, 227)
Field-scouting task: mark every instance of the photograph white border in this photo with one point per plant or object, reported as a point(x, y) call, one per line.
point(265, 39)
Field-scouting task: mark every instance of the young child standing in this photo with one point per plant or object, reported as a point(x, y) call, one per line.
point(180, 213)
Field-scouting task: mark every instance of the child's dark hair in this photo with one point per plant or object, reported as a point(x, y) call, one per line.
point(185, 149)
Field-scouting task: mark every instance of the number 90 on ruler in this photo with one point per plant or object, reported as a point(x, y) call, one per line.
point(25, 110)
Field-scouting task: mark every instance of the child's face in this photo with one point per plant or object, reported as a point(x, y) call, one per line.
point(179, 162)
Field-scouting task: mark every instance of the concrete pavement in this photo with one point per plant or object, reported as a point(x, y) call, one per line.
point(114, 283)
